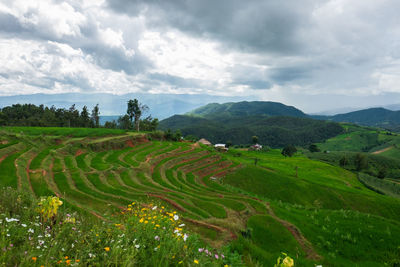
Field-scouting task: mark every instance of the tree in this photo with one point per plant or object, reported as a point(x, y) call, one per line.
point(149, 124)
point(361, 162)
point(135, 110)
point(254, 139)
point(96, 116)
point(289, 150)
point(343, 161)
point(382, 172)
point(84, 117)
point(124, 122)
point(110, 124)
point(313, 148)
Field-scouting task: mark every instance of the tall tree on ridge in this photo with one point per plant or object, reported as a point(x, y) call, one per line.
point(135, 110)
point(96, 116)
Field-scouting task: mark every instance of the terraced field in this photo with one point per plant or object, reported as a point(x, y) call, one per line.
point(223, 198)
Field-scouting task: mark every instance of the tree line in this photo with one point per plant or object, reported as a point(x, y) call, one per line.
point(43, 116)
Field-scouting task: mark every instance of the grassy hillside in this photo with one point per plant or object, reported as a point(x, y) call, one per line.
point(290, 205)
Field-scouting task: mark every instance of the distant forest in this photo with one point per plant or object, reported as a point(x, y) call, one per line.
point(42, 116)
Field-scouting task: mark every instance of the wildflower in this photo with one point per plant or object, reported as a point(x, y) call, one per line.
point(196, 261)
point(180, 262)
point(185, 236)
point(107, 249)
point(11, 220)
point(222, 256)
point(201, 250)
point(77, 261)
point(137, 246)
point(34, 259)
point(154, 208)
point(157, 238)
point(23, 225)
point(216, 256)
point(66, 257)
point(68, 262)
point(181, 225)
point(176, 217)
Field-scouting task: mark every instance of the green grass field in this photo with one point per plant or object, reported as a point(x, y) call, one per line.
point(258, 210)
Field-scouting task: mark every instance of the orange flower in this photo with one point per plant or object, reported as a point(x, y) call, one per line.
point(77, 260)
point(107, 248)
point(34, 258)
point(68, 262)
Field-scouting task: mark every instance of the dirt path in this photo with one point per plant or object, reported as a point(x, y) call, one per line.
point(382, 150)
point(304, 243)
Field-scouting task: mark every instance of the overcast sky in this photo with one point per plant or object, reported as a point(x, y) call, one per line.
point(313, 54)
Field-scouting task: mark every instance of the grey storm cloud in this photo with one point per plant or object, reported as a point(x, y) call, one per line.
point(256, 25)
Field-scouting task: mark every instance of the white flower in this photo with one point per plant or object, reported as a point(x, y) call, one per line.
point(11, 220)
point(156, 248)
point(176, 231)
point(137, 246)
point(23, 225)
point(176, 217)
point(185, 236)
point(47, 235)
point(154, 208)
point(157, 238)
point(8, 234)
point(30, 230)
point(181, 225)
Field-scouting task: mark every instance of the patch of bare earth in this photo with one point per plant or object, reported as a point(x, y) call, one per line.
point(382, 150)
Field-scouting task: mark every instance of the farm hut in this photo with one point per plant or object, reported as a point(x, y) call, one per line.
point(204, 142)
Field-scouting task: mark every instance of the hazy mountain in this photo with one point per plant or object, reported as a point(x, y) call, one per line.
point(161, 105)
point(377, 117)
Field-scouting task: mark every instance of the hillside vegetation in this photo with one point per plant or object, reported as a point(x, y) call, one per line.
point(271, 131)
point(290, 205)
point(376, 117)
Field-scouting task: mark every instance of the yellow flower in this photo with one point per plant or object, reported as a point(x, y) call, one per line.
point(146, 222)
point(180, 262)
point(196, 261)
point(288, 262)
point(141, 220)
point(107, 248)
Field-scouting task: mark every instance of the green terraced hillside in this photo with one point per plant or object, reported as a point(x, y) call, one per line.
point(315, 212)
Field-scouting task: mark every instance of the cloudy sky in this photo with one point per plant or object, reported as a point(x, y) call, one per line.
point(313, 54)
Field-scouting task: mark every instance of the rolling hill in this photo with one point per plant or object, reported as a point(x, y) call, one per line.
point(275, 124)
point(376, 117)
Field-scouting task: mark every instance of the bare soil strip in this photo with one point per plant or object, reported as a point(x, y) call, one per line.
point(382, 150)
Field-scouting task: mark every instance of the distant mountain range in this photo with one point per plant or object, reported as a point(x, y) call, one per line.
point(376, 117)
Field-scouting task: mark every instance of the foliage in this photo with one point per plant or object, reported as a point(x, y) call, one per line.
point(361, 161)
point(96, 116)
point(134, 111)
point(271, 131)
point(284, 261)
point(142, 235)
point(379, 185)
point(32, 115)
point(313, 148)
point(48, 207)
point(289, 150)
